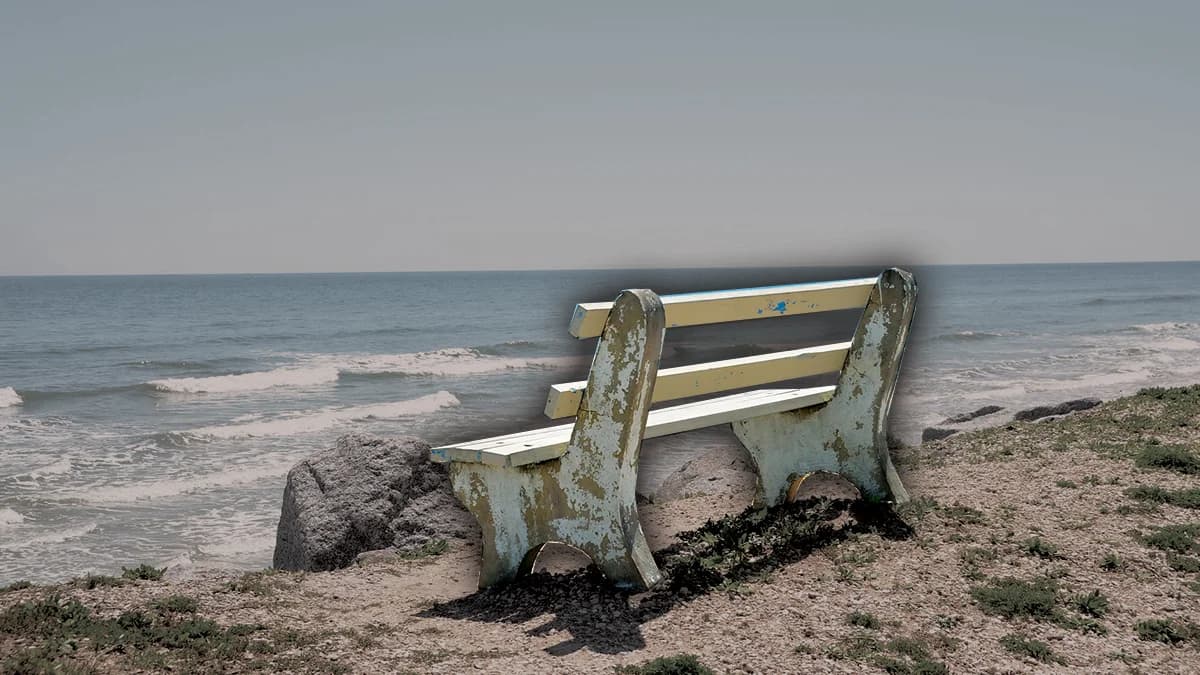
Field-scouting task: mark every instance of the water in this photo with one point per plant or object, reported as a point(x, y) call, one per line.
point(154, 418)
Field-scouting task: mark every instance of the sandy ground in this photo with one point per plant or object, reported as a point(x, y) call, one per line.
point(1062, 481)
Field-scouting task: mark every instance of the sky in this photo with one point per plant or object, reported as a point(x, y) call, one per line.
point(170, 137)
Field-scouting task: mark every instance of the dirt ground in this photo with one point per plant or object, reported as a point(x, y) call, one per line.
point(1043, 502)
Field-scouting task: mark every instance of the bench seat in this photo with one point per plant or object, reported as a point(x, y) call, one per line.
point(539, 445)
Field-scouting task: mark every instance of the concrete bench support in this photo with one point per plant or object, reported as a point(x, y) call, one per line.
point(847, 435)
point(585, 497)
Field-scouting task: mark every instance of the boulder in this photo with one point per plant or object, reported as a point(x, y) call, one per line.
point(936, 434)
point(967, 417)
point(1061, 409)
point(364, 494)
point(722, 470)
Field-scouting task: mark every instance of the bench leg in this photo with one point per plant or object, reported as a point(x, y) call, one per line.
point(847, 435)
point(586, 497)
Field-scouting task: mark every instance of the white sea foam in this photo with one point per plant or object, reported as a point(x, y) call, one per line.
point(268, 379)
point(54, 469)
point(9, 397)
point(9, 517)
point(239, 547)
point(171, 487)
point(55, 537)
point(291, 424)
point(454, 361)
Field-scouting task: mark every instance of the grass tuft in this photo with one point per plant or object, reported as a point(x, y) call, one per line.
point(680, 664)
point(1012, 598)
point(179, 604)
point(1036, 546)
point(1092, 604)
point(1176, 538)
point(1176, 458)
point(1024, 646)
point(863, 620)
point(143, 572)
point(16, 586)
point(1111, 562)
point(1167, 631)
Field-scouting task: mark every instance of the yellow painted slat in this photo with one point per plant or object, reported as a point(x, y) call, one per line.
point(695, 309)
point(717, 376)
point(544, 444)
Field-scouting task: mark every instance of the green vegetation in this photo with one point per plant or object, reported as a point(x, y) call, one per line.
point(1184, 499)
point(179, 604)
point(1167, 631)
point(681, 664)
point(963, 514)
point(428, 549)
point(1012, 598)
point(1066, 484)
point(900, 655)
point(16, 586)
point(159, 640)
point(1176, 538)
point(1111, 562)
point(1036, 546)
point(1025, 646)
point(262, 583)
point(1091, 604)
point(143, 572)
point(724, 553)
point(1183, 563)
point(1176, 458)
point(92, 581)
point(862, 620)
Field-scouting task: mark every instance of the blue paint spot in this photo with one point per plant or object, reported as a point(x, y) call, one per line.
point(760, 311)
point(780, 307)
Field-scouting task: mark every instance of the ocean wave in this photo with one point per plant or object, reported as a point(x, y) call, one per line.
point(239, 547)
point(291, 424)
point(967, 336)
point(1142, 300)
point(1164, 327)
point(9, 397)
point(449, 362)
point(9, 517)
point(58, 536)
point(174, 487)
point(269, 379)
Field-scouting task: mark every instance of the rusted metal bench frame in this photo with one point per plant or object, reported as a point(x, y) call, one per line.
point(582, 494)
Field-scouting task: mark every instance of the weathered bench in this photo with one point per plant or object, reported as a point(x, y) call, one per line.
point(574, 483)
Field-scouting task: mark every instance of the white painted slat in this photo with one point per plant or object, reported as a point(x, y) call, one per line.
point(542, 444)
point(695, 309)
point(717, 376)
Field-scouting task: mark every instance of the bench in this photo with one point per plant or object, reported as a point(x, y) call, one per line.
point(574, 483)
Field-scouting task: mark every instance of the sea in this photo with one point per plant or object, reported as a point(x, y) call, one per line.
point(154, 418)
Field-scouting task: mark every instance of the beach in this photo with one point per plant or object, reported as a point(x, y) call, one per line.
point(1093, 512)
point(153, 419)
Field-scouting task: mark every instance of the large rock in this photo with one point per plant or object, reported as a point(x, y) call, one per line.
point(967, 417)
point(1060, 409)
point(936, 434)
point(722, 470)
point(365, 493)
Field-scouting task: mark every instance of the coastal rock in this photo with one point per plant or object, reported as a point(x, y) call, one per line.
point(967, 417)
point(936, 434)
point(364, 494)
point(1061, 409)
point(720, 471)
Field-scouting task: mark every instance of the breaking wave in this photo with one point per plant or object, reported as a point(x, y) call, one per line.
point(9, 397)
point(225, 384)
point(318, 369)
point(291, 424)
point(8, 518)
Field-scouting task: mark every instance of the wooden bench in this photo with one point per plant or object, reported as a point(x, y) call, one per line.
point(574, 483)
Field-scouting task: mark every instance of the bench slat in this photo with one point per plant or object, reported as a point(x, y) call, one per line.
point(542, 444)
point(717, 376)
point(695, 309)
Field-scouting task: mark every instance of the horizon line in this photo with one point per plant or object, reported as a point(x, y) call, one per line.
point(580, 269)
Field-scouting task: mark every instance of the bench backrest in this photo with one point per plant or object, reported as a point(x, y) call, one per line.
point(711, 307)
